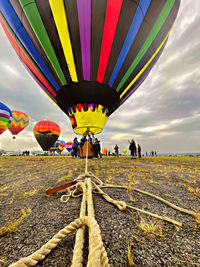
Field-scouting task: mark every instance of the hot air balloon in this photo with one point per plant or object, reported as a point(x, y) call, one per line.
point(69, 146)
point(89, 56)
point(5, 117)
point(60, 145)
point(19, 122)
point(46, 133)
point(124, 151)
point(104, 150)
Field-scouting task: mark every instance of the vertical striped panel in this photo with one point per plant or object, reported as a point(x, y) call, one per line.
point(155, 44)
point(150, 19)
point(152, 35)
point(112, 15)
point(98, 18)
point(58, 10)
point(84, 15)
point(52, 32)
point(30, 9)
point(127, 14)
point(73, 25)
point(134, 28)
point(18, 10)
point(17, 27)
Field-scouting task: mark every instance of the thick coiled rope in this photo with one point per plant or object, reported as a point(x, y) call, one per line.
point(97, 254)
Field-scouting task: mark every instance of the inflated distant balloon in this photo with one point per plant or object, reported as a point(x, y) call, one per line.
point(89, 56)
point(60, 145)
point(46, 133)
point(69, 146)
point(124, 151)
point(5, 117)
point(104, 150)
point(19, 122)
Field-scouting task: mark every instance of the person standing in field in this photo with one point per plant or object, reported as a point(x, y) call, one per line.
point(75, 147)
point(97, 149)
point(139, 151)
point(116, 148)
point(132, 148)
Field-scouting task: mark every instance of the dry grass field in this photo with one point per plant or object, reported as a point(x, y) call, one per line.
point(29, 218)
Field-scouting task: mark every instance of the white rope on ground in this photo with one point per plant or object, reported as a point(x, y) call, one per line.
point(189, 212)
point(79, 243)
point(40, 254)
point(86, 159)
point(97, 254)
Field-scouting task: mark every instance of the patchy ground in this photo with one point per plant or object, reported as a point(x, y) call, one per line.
point(29, 218)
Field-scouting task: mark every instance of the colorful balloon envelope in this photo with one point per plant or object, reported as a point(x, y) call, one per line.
point(124, 151)
point(60, 145)
point(5, 117)
point(46, 133)
point(89, 56)
point(19, 122)
point(69, 146)
point(104, 150)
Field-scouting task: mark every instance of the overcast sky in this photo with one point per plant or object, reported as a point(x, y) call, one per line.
point(162, 115)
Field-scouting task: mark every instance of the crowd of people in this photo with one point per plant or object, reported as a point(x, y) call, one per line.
point(135, 149)
point(96, 146)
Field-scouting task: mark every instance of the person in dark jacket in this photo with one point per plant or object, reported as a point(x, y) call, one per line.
point(75, 147)
point(132, 148)
point(97, 148)
point(116, 148)
point(83, 140)
point(139, 150)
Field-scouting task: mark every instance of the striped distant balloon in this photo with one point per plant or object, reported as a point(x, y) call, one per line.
point(46, 133)
point(89, 56)
point(5, 117)
point(19, 122)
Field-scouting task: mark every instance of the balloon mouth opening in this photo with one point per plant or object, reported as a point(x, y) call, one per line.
point(88, 118)
point(89, 130)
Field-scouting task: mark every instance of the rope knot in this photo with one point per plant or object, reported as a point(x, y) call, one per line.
point(120, 204)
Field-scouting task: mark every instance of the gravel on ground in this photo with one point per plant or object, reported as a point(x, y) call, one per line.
point(130, 238)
